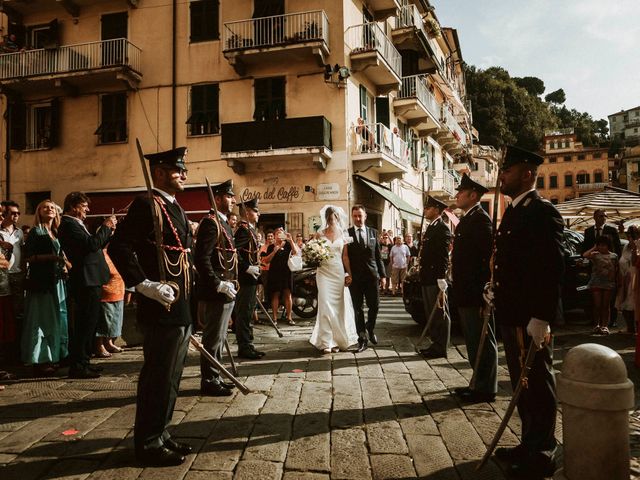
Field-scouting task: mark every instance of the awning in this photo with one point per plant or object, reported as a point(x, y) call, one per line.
point(407, 211)
point(620, 205)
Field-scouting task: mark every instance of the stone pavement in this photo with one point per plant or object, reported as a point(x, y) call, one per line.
point(385, 413)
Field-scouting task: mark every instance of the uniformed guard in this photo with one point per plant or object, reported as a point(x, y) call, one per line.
point(246, 241)
point(528, 271)
point(216, 261)
point(472, 246)
point(162, 312)
point(434, 263)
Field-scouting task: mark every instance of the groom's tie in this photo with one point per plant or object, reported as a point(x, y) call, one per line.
point(360, 239)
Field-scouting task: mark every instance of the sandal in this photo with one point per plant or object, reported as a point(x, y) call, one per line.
point(604, 331)
point(596, 330)
point(326, 351)
point(114, 349)
point(103, 354)
point(290, 321)
point(335, 349)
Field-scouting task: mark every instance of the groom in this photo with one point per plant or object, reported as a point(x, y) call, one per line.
point(366, 271)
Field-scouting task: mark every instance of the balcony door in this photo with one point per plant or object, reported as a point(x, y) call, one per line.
point(268, 30)
point(112, 27)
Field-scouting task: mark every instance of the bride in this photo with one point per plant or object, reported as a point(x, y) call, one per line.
point(335, 327)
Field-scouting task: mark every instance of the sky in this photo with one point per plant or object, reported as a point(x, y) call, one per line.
point(589, 48)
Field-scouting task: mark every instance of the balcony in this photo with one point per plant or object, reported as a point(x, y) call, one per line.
point(442, 183)
point(288, 140)
point(383, 9)
point(418, 105)
point(290, 37)
point(452, 137)
point(72, 68)
point(375, 145)
point(373, 54)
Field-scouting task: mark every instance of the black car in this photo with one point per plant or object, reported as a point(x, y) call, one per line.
point(575, 295)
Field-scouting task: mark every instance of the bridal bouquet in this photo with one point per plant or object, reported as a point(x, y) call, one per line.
point(315, 252)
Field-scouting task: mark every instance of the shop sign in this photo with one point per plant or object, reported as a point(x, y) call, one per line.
point(272, 194)
point(328, 191)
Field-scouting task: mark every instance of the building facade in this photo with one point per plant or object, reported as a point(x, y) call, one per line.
point(302, 103)
point(625, 126)
point(570, 169)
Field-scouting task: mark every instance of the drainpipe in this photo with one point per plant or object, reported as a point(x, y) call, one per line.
point(173, 74)
point(7, 150)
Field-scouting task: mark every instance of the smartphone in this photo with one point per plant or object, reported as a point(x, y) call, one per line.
point(282, 236)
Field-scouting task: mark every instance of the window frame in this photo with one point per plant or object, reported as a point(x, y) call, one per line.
point(212, 115)
point(106, 124)
point(209, 33)
point(269, 100)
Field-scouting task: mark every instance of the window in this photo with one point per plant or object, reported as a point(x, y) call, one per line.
point(597, 155)
point(581, 157)
point(582, 178)
point(597, 177)
point(366, 112)
point(113, 118)
point(553, 181)
point(33, 199)
point(270, 99)
point(568, 180)
point(553, 159)
point(33, 126)
point(567, 158)
point(204, 20)
point(540, 181)
point(203, 118)
point(43, 36)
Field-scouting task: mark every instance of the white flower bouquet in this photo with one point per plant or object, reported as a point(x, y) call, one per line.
point(315, 252)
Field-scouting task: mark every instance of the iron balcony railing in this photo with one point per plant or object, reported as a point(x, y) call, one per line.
point(416, 86)
point(442, 181)
point(276, 31)
point(70, 58)
point(409, 16)
point(449, 120)
point(377, 138)
point(369, 37)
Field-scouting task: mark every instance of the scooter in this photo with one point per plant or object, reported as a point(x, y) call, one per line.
point(305, 293)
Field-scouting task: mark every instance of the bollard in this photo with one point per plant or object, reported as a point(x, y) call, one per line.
point(596, 397)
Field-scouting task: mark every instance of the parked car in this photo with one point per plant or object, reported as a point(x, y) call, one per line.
point(575, 295)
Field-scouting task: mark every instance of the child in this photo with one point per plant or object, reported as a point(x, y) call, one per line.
point(604, 272)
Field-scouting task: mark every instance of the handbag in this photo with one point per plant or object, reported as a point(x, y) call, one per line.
point(294, 263)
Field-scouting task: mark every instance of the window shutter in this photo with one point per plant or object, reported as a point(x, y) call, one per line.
point(54, 136)
point(196, 21)
point(18, 125)
point(52, 40)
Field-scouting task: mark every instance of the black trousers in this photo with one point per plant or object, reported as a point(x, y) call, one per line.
point(361, 290)
point(245, 305)
point(165, 350)
point(214, 317)
point(537, 404)
point(85, 320)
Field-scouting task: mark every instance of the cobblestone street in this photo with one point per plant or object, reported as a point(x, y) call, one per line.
point(385, 413)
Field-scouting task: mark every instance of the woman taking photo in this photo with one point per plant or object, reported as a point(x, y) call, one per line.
point(45, 337)
point(280, 278)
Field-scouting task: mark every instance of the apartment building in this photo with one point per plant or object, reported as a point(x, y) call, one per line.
point(301, 102)
point(632, 166)
point(625, 126)
point(570, 169)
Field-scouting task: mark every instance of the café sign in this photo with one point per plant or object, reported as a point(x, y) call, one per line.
point(272, 194)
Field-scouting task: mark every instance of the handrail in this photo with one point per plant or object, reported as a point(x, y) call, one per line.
point(416, 86)
point(378, 138)
point(369, 37)
point(276, 30)
point(449, 120)
point(409, 16)
point(442, 181)
point(69, 58)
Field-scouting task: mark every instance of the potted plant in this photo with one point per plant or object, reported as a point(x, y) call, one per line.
point(433, 29)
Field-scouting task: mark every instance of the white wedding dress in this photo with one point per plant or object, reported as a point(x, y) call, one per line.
point(335, 323)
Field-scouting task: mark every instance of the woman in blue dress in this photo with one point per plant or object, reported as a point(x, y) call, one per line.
point(45, 335)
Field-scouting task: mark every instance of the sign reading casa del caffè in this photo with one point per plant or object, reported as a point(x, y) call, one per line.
point(272, 194)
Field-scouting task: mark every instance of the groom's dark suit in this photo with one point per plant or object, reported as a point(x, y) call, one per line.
point(366, 271)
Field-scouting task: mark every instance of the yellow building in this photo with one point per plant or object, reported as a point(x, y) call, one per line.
point(570, 169)
point(302, 102)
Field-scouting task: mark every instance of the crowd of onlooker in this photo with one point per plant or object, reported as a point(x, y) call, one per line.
point(41, 294)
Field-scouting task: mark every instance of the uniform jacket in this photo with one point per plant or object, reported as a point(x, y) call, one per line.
point(84, 251)
point(365, 260)
point(133, 251)
point(434, 260)
point(246, 242)
point(528, 263)
point(215, 258)
point(472, 246)
point(608, 230)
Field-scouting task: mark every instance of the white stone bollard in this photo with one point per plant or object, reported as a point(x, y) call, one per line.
point(596, 396)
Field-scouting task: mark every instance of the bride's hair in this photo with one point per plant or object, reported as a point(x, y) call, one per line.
point(334, 218)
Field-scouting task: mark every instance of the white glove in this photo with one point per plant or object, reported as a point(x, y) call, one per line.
point(488, 294)
point(539, 331)
point(160, 292)
point(228, 289)
point(254, 271)
point(442, 285)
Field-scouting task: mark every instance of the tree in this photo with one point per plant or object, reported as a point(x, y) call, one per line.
point(533, 85)
point(557, 97)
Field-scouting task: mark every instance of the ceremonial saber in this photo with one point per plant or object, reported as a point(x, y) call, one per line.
point(441, 296)
point(487, 311)
point(226, 373)
point(273, 324)
point(212, 201)
point(528, 363)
